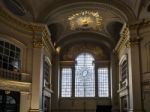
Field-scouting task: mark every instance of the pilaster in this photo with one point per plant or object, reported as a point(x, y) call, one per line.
point(114, 82)
point(135, 89)
point(56, 82)
point(37, 76)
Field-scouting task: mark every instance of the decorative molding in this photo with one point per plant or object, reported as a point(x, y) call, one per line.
point(67, 63)
point(71, 52)
point(132, 43)
point(124, 37)
point(38, 42)
point(86, 20)
point(34, 28)
point(140, 24)
point(15, 85)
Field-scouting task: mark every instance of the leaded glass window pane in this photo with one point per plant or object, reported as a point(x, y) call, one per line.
point(103, 85)
point(9, 56)
point(66, 82)
point(84, 76)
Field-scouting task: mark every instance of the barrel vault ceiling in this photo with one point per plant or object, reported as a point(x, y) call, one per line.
point(77, 21)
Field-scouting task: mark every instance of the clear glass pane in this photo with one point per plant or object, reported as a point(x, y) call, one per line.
point(103, 85)
point(84, 76)
point(8, 57)
point(66, 82)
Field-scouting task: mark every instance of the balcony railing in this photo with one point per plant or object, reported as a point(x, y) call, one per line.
point(15, 76)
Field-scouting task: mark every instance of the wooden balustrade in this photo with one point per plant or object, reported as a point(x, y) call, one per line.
point(14, 75)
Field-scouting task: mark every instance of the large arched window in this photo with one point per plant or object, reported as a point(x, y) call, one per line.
point(84, 76)
point(83, 79)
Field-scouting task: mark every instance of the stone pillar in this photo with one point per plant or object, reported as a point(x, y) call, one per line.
point(56, 83)
point(37, 79)
point(114, 82)
point(135, 91)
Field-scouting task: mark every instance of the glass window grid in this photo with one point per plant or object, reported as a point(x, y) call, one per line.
point(9, 55)
point(84, 87)
point(46, 72)
point(103, 82)
point(66, 82)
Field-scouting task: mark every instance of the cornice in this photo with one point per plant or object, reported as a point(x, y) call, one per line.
point(43, 38)
point(132, 43)
point(124, 37)
point(125, 40)
point(140, 24)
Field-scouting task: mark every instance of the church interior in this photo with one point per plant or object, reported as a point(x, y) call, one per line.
point(74, 56)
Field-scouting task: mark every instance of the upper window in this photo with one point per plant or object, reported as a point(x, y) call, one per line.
point(82, 80)
point(66, 82)
point(103, 85)
point(124, 70)
point(9, 56)
point(46, 72)
point(84, 76)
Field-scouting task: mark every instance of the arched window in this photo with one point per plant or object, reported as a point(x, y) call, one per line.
point(84, 79)
point(84, 76)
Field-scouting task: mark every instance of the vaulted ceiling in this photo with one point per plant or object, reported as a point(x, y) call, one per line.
point(77, 21)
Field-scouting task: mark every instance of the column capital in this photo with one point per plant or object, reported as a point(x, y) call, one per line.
point(133, 43)
point(38, 42)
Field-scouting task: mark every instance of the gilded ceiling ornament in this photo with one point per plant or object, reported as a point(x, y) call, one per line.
point(85, 20)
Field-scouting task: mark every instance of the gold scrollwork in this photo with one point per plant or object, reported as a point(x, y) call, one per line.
point(38, 42)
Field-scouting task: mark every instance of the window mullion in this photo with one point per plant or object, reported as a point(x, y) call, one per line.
point(96, 81)
point(73, 81)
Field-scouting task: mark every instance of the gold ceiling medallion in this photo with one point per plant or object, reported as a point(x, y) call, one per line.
point(85, 20)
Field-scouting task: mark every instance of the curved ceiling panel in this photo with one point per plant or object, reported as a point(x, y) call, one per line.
point(86, 37)
point(15, 7)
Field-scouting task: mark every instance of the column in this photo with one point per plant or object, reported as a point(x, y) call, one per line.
point(114, 82)
point(37, 79)
point(56, 83)
point(135, 91)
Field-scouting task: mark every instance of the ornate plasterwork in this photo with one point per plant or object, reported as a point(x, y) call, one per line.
point(38, 42)
point(15, 85)
point(71, 52)
point(41, 33)
point(126, 41)
point(124, 37)
point(141, 24)
point(85, 20)
point(132, 43)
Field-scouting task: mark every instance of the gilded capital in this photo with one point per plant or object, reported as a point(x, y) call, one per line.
point(38, 42)
point(132, 43)
point(124, 36)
